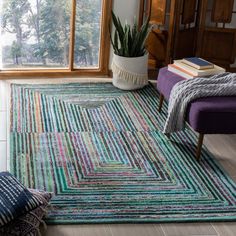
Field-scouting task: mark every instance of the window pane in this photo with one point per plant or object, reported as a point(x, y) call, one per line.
point(35, 33)
point(87, 35)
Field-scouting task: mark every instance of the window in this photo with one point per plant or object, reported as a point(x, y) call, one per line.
point(87, 33)
point(54, 35)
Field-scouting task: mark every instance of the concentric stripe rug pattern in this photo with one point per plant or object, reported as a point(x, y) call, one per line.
point(102, 152)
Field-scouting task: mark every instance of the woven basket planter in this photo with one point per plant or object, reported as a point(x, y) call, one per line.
point(130, 73)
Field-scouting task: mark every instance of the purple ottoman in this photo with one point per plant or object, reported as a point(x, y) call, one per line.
point(209, 115)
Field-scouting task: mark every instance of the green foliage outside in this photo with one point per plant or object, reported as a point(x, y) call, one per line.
point(41, 32)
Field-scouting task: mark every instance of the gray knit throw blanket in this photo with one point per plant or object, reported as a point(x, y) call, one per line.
point(188, 90)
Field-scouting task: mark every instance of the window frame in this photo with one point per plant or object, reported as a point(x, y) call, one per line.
point(102, 70)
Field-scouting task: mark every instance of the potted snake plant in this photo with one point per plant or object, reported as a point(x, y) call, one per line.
point(130, 58)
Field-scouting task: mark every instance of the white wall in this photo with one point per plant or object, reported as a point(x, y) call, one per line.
point(126, 10)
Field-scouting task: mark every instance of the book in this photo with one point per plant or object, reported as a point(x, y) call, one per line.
point(179, 71)
point(198, 63)
point(195, 72)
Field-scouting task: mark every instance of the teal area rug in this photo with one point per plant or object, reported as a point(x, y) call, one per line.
point(102, 152)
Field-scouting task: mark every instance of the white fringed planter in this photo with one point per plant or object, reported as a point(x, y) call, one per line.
point(130, 73)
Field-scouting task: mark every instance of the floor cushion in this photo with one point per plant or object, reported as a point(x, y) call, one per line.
point(15, 199)
point(28, 224)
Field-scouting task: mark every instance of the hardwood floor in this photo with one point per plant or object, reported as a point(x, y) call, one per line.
point(223, 147)
point(4, 98)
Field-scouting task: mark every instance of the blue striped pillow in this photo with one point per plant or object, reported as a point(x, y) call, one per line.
point(15, 199)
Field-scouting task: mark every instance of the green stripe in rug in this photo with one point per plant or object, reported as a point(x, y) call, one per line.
point(102, 152)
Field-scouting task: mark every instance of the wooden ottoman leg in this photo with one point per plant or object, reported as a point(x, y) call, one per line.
point(161, 102)
point(199, 146)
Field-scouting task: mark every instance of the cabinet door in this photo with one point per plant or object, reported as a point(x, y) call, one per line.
point(217, 34)
point(158, 12)
point(186, 29)
point(174, 29)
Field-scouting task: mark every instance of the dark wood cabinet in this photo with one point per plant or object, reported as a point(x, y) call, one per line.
point(217, 32)
point(184, 28)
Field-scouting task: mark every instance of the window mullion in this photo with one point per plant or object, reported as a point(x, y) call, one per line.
point(72, 36)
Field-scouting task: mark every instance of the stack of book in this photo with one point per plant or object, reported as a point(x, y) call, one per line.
point(194, 67)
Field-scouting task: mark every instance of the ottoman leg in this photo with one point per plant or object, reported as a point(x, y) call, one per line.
point(161, 102)
point(199, 147)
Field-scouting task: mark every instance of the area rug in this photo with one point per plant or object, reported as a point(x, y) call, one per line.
point(102, 152)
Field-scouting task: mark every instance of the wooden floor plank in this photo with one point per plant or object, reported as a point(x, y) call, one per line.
point(3, 125)
point(3, 153)
point(223, 148)
point(225, 229)
point(3, 96)
point(136, 230)
point(81, 230)
point(189, 229)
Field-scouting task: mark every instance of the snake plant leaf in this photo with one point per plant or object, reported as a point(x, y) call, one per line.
point(118, 26)
point(129, 41)
point(116, 43)
point(113, 45)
